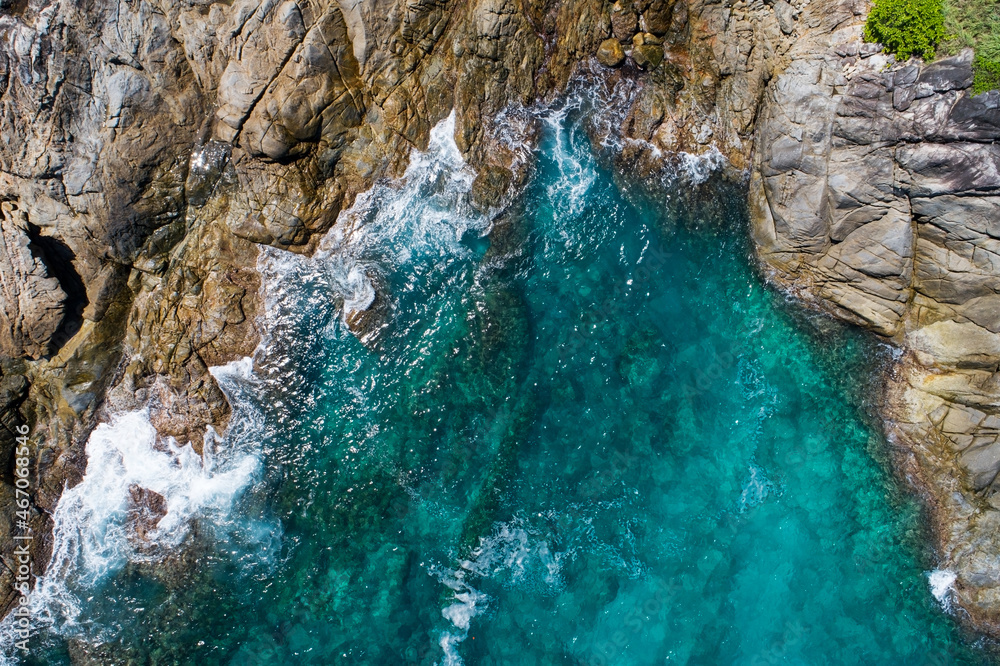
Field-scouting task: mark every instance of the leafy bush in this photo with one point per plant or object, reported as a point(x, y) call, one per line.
point(906, 27)
point(986, 75)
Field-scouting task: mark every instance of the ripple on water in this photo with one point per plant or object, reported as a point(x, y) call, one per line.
point(612, 446)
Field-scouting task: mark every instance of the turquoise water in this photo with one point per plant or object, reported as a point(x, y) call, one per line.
point(592, 437)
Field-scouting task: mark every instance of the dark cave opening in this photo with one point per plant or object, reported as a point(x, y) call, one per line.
point(58, 260)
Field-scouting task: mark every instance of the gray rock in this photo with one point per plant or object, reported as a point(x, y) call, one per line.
point(975, 118)
point(893, 224)
point(848, 50)
point(949, 74)
point(903, 96)
point(982, 464)
point(32, 304)
point(785, 14)
point(937, 169)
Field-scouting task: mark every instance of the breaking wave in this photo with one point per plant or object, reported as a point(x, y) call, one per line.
point(97, 524)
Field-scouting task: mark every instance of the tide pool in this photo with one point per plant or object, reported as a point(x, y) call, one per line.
point(586, 434)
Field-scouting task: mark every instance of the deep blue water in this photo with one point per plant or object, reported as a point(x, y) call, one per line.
point(589, 437)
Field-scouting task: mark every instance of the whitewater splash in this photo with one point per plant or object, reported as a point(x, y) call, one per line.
point(577, 174)
point(513, 556)
point(469, 602)
point(422, 217)
point(697, 169)
point(942, 583)
point(616, 102)
point(426, 210)
point(92, 536)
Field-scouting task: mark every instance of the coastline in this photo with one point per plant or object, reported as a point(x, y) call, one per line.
point(144, 340)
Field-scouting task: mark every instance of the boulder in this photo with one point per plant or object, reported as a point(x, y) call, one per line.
point(624, 20)
point(647, 50)
point(785, 14)
point(610, 53)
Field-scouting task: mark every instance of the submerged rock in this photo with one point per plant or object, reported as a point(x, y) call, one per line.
point(874, 198)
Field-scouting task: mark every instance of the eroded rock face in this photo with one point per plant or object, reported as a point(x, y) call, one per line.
point(169, 140)
point(876, 195)
point(32, 304)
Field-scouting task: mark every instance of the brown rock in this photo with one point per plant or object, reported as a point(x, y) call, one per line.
point(610, 53)
point(647, 56)
point(145, 510)
point(658, 16)
point(624, 20)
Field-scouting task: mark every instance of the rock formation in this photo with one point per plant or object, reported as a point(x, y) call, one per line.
point(876, 193)
point(151, 147)
point(32, 302)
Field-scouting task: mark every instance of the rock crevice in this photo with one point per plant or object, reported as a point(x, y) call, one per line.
point(895, 230)
point(151, 147)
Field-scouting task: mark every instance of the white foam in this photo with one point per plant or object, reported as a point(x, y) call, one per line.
point(568, 193)
point(468, 603)
point(756, 489)
point(90, 535)
point(510, 129)
point(419, 218)
point(697, 168)
point(426, 212)
point(515, 552)
point(942, 582)
point(239, 370)
point(91, 539)
point(511, 555)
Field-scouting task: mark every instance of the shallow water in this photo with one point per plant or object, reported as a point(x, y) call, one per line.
point(591, 438)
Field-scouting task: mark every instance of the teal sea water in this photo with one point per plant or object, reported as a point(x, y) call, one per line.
point(592, 437)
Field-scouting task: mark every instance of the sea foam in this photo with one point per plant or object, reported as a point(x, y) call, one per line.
point(511, 555)
point(91, 538)
point(942, 583)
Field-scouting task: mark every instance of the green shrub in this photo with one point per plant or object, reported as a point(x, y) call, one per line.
point(972, 23)
point(906, 27)
point(986, 75)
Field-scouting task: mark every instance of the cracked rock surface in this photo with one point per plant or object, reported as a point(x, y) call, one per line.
point(151, 147)
point(876, 196)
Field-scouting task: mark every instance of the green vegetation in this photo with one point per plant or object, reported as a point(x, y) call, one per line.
point(943, 27)
point(975, 24)
point(986, 75)
point(906, 27)
point(972, 23)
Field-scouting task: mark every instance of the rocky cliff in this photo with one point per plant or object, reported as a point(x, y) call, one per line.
point(151, 147)
point(876, 196)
